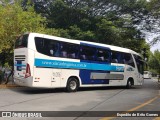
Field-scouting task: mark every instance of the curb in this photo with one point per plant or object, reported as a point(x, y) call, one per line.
point(9, 86)
point(157, 81)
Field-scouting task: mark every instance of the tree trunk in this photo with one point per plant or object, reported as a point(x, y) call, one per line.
point(11, 74)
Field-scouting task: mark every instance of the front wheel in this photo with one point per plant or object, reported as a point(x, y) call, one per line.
point(129, 84)
point(72, 85)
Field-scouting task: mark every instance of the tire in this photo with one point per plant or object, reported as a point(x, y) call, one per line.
point(72, 85)
point(129, 84)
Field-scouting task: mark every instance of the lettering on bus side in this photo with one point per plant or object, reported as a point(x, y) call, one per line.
point(56, 74)
point(120, 68)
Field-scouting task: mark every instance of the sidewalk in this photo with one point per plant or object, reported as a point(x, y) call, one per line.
point(156, 80)
point(9, 85)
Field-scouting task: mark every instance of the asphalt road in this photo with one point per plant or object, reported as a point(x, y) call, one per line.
point(142, 99)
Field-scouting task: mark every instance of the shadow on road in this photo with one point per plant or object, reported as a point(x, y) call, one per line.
point(27, 90)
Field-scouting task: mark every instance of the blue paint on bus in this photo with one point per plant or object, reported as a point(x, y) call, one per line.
point(76, 65)
point(85, 76)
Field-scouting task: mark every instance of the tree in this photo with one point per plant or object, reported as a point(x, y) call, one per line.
point(154, 61)
point(153, 22)
point(65, 13)
point(103, 21)
point(14, 22)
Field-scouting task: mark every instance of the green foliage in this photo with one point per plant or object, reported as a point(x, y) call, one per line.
point(154, 61)
point(14, 22)
point(154, 6)
point(107, 32)
point(62, 14)
point(91, 21)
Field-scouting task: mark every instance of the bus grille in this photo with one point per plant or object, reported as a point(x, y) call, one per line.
point(20, 57)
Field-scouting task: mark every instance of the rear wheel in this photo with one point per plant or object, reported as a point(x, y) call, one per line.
point(72, 85)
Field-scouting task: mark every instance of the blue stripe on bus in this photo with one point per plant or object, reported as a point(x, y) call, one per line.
point(76, 65)
point(95, 46)
point(86, 79)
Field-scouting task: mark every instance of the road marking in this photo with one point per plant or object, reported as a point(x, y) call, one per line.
point(144, 104)
point(158, 118)
point(136, 108)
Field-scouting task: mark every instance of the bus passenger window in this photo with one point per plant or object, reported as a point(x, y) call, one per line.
point(40, 46)
point(82, 54)
point(83, 57)
point(72, 50)
point(128, 59)
point(115, 57)
point(63, 49)
point(114, 60)
point(100, 58)
point(87, 53)
point(103, 55)
point(53, 48)
point(64, 54)
point(72, 55)
point(47, 46)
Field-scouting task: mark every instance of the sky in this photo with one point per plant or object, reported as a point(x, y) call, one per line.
point(155, 47)
point(149, 37)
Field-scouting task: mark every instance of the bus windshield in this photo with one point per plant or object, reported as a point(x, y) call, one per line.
point(140, 63)
point(22, 41)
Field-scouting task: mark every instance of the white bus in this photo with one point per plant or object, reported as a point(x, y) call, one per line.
point(45, 61)
point(147, 74)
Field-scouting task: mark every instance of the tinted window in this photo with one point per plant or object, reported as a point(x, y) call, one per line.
point(22, 41)
point(127, 59)
point(87, 53)
point(123, 58)
point(116, 57)
point(103, 55)
point(73, 51)
point(47, 46)
point(145, 72)
point(56, 48)
point(139, 63)
point(69, 50)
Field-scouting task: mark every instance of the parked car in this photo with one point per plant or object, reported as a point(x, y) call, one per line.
point(147, 75)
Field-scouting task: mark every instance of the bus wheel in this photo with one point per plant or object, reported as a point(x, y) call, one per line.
point(72, 85)
point(129, 84)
